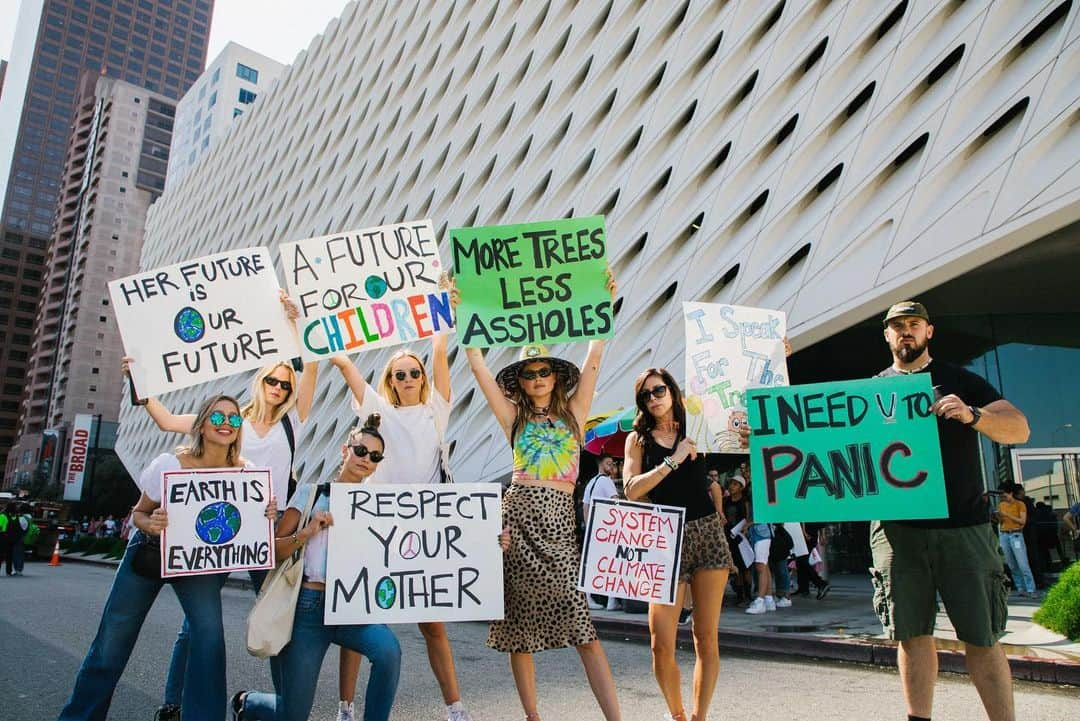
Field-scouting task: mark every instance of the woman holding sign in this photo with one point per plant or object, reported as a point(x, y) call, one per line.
point(415, 412)
point(663, 466)
point(534, 401)
point(273, 418)
point(215, 435)
point(302, 658)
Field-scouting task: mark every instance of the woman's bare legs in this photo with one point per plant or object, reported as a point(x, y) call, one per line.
point(708, 586)
point(663, 632)
point(521, 665)
point(602, 682)
point(441, 658)
point(348, 671)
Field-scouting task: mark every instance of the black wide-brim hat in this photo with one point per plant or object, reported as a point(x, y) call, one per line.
point(568, 373)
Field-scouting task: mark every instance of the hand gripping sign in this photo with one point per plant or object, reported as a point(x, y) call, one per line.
point(217, 521)
point(632, 550)
point(848, 451)
point(367, 289)
point(409, 553)
point(202, 319)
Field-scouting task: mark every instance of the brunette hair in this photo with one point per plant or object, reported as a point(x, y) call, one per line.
point(197, 447)
point(256, 409)
point(370, 427)
point(644, 422)
point(559, 408)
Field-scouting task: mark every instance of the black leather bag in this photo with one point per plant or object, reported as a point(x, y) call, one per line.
point(146, 560)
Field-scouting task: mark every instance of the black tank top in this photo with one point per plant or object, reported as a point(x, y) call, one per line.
point(687, 486)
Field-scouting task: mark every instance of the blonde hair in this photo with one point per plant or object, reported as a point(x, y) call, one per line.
point(559, 408)
point(256, 408)
point(386, 389)
point(197, 447)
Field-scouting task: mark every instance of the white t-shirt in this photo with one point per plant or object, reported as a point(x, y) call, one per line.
point(150, 479)
point(600, 487)
point(411, 435)
point(272, 451)
point(314, 549)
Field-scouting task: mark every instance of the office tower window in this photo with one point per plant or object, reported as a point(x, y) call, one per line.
point(246, 73)
point(247, 97)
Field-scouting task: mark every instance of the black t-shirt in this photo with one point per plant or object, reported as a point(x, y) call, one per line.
point(686, 487)
point(959, 446)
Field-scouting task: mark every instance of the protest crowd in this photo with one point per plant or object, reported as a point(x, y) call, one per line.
point(701, 505)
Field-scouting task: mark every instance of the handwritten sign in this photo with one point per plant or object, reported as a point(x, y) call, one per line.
point(414, 552)
point(532, 283)
point(217, 521)
point(367, 289)
point(850, 451)
point(729, 349)
point(202, 319)
point(632, 550)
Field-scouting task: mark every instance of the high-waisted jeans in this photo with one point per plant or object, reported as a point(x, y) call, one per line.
point(302, 659)
point(130, 599)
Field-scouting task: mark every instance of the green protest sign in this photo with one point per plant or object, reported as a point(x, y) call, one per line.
point(847, 451)
point(532, 283)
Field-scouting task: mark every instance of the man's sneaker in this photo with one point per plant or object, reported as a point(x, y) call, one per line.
point(345, 711)
point(614, 604)
point(236, 706)
point(457, 712)
point(593, 605)
point(823, 590)
point(684, 615)
point(770, 603)
point(783, 603)
point(167, 712)
point(758, 606)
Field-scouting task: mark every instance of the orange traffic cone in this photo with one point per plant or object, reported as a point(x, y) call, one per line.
point(55, 561)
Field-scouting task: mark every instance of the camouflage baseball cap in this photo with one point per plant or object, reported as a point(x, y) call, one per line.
point(907, 307)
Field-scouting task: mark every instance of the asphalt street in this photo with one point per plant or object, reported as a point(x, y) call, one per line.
point(48, 618)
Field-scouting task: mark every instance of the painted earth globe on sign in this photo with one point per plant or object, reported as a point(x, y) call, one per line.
point(189, 325)
point(385, 592)
point(218, 523)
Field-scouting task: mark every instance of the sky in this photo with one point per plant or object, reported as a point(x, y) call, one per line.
point(276, 28)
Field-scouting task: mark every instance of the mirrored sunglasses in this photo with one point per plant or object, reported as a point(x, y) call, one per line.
point(218, 418)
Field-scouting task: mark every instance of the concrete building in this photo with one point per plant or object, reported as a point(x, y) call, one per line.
point(156, 44)
point(826, 159)
point(114, 170)
point(228, 87)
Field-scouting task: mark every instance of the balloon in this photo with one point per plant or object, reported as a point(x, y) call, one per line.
point(693, 405)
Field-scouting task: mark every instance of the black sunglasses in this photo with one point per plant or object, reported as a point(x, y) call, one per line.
point(362, 451)
point(274, 382)
point(219, 419)
point(656, 392)
point(533, 375)
point(414, 374)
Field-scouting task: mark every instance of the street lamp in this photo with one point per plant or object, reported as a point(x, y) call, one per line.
point(1063, 429)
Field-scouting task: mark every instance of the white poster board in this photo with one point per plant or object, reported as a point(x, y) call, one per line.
point(409, 553)
point(729, 349)
point(632, 550)
point(202, 319)
point(367, 289)
point(78, 452)
point(217, 521)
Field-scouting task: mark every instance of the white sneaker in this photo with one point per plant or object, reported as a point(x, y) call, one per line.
point(770, 603)
point(783, 603)
point(758, 606)
point(345, 711)
point(593, 605)
point(613, 604)
point(456, 712)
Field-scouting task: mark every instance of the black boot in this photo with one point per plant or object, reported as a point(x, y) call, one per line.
point(167, 712)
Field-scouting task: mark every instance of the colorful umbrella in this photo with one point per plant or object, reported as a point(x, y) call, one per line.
point(607, 432)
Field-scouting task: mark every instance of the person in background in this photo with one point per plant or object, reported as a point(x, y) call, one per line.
point(735, 511)
point(601, 486)
point(1012, 518)
point(1031, 540)
point(1047, 538)
point(1072, 522)
point(804, 570)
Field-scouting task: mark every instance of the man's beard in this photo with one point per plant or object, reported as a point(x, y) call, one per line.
point(908, 353)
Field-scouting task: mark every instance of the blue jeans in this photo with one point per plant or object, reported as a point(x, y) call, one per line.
point(781, 578)
point(130, 599)
point(174, 679)
point(17, 555)
point(302, 659)
point(1012, 545)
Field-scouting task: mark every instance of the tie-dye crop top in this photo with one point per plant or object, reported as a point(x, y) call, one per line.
point(546, 451)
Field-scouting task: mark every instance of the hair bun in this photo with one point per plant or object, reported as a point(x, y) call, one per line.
point(372, 422)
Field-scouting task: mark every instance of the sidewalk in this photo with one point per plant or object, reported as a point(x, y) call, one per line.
point(842, 627)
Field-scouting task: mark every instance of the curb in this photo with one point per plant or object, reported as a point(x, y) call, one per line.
point(868, 652)
point(242, 583)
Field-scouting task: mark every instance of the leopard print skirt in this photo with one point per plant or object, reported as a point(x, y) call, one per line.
point(543, 608)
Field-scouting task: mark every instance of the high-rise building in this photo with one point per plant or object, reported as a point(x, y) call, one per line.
point(823, 158)
point(228, 87)
point(156, 44)
point(114, 170)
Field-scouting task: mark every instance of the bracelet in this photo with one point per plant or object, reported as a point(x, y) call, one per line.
point(296, 540)
point(670, 463)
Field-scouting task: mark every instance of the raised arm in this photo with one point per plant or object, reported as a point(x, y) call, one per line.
point(165, 420)
point(352, 376)
point(440, 365)
point(305, 393)
point(500, 405)
point(581, 401)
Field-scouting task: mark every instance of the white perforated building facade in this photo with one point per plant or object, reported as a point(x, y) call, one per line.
point(820, 157)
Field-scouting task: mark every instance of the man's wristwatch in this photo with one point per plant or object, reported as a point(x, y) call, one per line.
point(976, 414)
